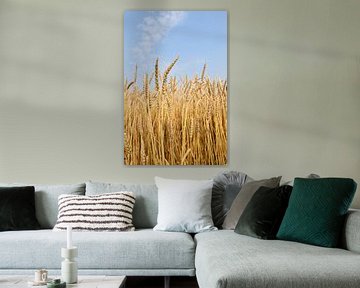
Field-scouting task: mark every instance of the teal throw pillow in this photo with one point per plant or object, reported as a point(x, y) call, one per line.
point(316, 211)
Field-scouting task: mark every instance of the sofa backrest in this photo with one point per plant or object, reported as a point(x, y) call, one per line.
point(146, 203)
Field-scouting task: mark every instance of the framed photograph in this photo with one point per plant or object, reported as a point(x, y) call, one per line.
point(175, 88)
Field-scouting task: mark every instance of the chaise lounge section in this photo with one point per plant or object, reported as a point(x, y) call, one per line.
point(225, 259)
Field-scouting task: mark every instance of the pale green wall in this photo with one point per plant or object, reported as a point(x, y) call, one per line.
point(294, 72)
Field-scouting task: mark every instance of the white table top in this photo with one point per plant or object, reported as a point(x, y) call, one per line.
point(84, 281)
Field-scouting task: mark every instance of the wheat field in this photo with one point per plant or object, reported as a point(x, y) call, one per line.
point(170, 121)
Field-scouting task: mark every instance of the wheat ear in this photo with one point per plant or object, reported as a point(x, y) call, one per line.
point(166, 74)
point(157, 87)
point(203, 73)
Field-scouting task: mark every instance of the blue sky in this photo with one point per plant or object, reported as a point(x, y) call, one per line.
point(197, 37)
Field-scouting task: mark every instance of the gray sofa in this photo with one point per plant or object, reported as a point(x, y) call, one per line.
point(218, 259)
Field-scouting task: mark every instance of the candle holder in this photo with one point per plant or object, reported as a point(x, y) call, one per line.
point(69, 271)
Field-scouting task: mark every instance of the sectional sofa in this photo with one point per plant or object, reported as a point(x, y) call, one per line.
point(219, 259)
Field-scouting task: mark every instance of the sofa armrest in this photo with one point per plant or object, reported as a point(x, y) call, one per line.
point(351, 234)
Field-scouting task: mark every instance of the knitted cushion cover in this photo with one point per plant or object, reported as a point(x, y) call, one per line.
point(316, 211)
point(105, 212)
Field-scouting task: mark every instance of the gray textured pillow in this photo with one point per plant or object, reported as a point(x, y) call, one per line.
point(46, 200)
point(184, 205)
point(146, 205)
point(310, 176)
point(227, 185)
point(243, 198)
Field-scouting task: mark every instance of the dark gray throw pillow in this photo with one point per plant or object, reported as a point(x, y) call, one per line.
point(226, 187)
point(243, 198)
point(263, 214)
point(17, 209)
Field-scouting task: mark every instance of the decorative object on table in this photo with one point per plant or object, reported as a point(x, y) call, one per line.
point(41, 275)
point(40, 279)
point(69, 271)
point(56, 283)
point(175, 112)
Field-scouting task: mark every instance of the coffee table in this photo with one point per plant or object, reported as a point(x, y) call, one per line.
point(84, 281)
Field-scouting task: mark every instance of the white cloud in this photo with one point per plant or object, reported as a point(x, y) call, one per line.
point(153, 29)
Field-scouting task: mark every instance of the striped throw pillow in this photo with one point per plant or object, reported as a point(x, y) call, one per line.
point(105, 212)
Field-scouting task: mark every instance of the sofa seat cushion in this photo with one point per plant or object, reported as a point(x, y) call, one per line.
point(142, 249)
point(225, 259)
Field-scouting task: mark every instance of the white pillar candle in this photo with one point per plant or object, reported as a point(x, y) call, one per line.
point(69, 237)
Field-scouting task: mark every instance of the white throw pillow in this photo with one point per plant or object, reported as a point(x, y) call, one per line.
point(184, 205)
point(104, 212)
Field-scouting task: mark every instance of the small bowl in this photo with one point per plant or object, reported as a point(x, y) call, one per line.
point(56, 283)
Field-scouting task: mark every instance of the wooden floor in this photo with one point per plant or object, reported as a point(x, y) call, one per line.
point(158, 282)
